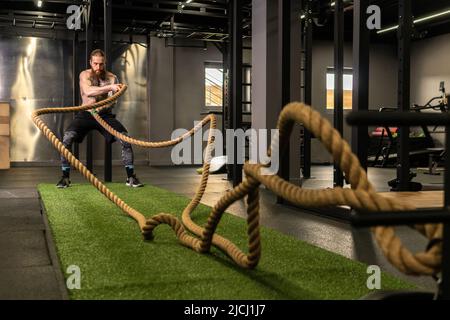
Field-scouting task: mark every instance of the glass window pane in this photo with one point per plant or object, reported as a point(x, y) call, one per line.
point(330, 81)
point(213, 87)
point(347, 86)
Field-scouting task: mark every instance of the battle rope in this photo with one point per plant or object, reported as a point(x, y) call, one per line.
point(361, 196)
point(147, 225)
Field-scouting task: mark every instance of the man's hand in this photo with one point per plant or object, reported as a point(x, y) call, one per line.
point(115, 87)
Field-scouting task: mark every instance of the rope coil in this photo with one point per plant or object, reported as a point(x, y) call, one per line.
point(362, 195)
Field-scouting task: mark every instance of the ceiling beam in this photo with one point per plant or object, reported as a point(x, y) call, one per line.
point(35, 32)
point(164, 10)
point(33, 13)
point(76, 2)
point(31, 18)
point(214, 6)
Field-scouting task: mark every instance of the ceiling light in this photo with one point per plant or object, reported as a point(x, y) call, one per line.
point(418, 20)
point(387, 29)
point(432, 16)
point(39, 3)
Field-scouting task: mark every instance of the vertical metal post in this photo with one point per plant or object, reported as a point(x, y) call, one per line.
point(149, 85)
point(284, 63)
point(228, 87)
point(225, 89)
point(295, 86)
point(107, 19)
point(236, 82)
point(444, 288)
point(404, 46)
point(76, 88)
point(89, 37)
point(308, 29)
point(338, 80)
point(360, 138)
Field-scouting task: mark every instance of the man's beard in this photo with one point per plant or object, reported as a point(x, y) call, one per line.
point(101, 75)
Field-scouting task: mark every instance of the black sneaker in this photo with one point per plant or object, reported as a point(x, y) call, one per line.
point(133, 181)
point(63, 183)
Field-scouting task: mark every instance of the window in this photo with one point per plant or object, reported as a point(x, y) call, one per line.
point(348, 86)
point(213, 85)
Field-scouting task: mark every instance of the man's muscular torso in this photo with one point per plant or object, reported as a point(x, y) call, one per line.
point(110, 78)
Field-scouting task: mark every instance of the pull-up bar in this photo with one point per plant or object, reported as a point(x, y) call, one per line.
point(365, 118)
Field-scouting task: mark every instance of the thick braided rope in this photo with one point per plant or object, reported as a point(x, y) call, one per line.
point(361, 196)
point(207, 235)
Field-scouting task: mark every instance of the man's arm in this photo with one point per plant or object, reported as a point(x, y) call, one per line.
point(113, 78)
point(93, 91)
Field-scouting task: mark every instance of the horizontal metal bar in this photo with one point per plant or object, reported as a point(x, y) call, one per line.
point(397, 118)
point(163, 10)
point(215, 6)
point(78, 2)
point(47, 32)
point(32, 20)
point(384, 218)
point(33, 13)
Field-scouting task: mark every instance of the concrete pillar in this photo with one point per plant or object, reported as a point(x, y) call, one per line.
point(266, 79)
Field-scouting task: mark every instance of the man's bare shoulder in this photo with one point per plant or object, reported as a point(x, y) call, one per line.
point(110, 75)
point(84, 74)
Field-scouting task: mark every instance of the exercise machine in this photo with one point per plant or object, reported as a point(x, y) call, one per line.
point(422, 146)
point(423, 151)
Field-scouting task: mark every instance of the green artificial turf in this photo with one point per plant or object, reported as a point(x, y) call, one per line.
point(116, 263)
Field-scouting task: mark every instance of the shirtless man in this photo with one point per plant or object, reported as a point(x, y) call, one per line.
point(97, 84)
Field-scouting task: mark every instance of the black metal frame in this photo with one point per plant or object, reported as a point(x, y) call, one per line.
point(445, 281)
point(284, 63)
point(194, 20)
point(341, 213)
point(107, 37)
point(404, 52)
point(307, 37)
point(235, 75)
point(365, 219)
point(76, 88)
point(338, 177)
point(107, 29)
point(226, 98)
point(360, 137)
point(89, 44)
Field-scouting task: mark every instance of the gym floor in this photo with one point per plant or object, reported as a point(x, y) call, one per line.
point(27, 271)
